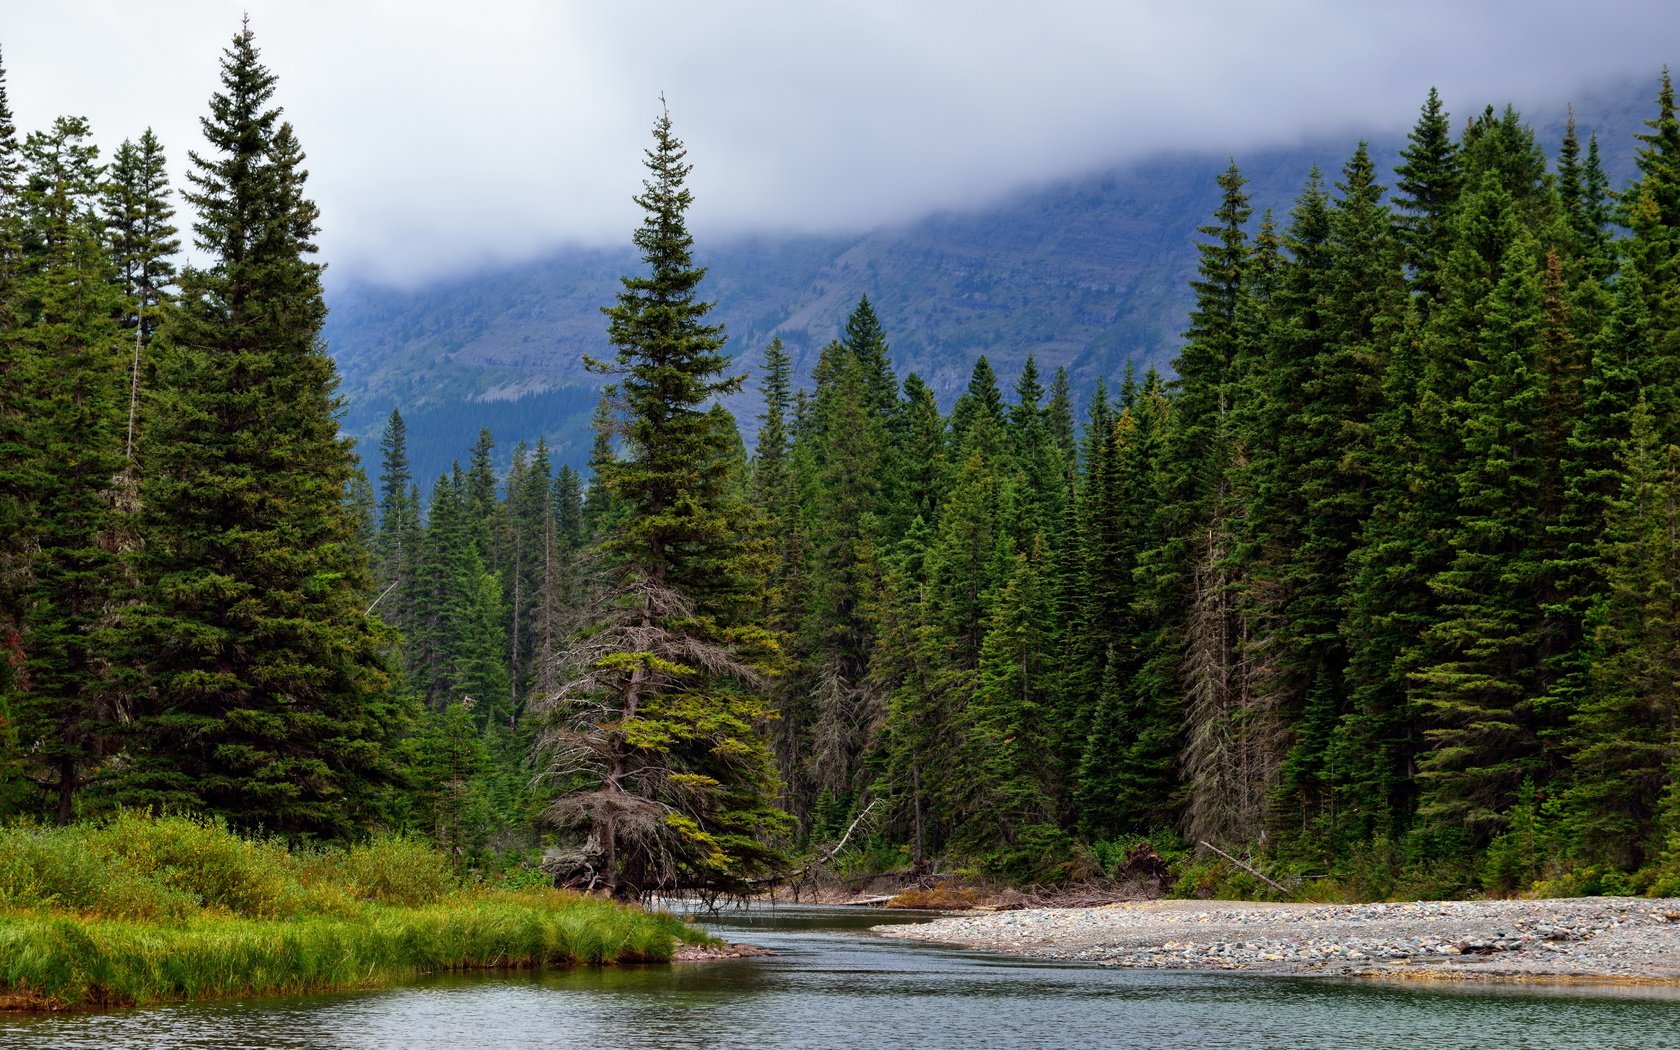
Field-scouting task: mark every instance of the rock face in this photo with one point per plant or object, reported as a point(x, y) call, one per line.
point(1605, 938)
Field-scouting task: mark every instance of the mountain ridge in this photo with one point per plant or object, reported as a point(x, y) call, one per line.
point(1087, 272)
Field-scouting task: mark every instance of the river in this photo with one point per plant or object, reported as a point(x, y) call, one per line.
point(836, 985)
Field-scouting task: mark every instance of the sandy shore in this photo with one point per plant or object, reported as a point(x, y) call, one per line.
point(1618, 939)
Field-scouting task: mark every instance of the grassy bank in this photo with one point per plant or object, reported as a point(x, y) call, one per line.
point(141, 910)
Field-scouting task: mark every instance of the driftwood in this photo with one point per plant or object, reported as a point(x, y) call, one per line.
point(822, 859)
point(838, 846)
point(1246, 868)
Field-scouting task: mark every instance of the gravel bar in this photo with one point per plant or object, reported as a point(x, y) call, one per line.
point(1613, 939)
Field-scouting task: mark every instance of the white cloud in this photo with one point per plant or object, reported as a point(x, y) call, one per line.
point(443, 136)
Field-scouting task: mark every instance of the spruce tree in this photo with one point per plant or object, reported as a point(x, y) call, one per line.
point(1478, 694)
point(1058, 412)
point(1650, 209)
point(867, 342)
point(11, 164)
point(925, 476)
point(138, 225)
point(70, 681)
point(657, 717)
point(844, 516)
point(397, 539)
point(1362, 307)
point(1428, 187)
point(1193, 650)
point(919, 769)
point(1625, 745)
point(16, 446)
point(1008, 813)
point(272, 706)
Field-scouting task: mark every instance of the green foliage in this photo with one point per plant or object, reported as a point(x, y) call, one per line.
point(1034, 855)
point(144, 909)
point(55, 961)
point(1521, 853)
point(398, 870)
point(651, 736)
point(270, 684)
point(1382, 578)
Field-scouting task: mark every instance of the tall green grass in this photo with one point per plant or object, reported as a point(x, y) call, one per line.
point(141, 910)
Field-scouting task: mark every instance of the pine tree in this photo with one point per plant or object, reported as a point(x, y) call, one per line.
point(919, 769)
point(844, 517)
point(1650, 209)
point(1478, 694)
point(1625, 745)
point(1428, 188)
point(770, 466)
point(448, 760)
point(867, 342)
point(656, 719)
point(16, 454)
point(1194, 649)
point(11, 164)
point(1008, 812)
point(925, 477)
point(598, 508)
point(981, 401)
point(1058, 413)
point(1362, 307)
point(138, 225)
point(962, 564)
point(273, 709)
point(1505, 148)
point(525, 521)
point(67, 709)
point(1279, 469)
point(568, 509)
point(479, 494)
point(1583, 194)
point(397, 540)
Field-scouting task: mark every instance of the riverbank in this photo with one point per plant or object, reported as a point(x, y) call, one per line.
point(1613, 939)
point(143, 910)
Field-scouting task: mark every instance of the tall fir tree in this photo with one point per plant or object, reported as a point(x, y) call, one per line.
point(272, 705)
point(1428, 184)
point(71, 699)
point(1624, 739)
point(657, 718)
point(138, 220)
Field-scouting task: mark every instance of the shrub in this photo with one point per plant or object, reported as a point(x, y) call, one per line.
point(203, 859)
point(141, 910)
point(398, 869)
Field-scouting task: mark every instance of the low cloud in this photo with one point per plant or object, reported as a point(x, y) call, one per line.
point(444, 139)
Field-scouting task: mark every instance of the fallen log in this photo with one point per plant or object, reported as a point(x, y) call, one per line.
point(1246, 868)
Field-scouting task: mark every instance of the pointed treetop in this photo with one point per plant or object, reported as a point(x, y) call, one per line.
point(1058, 412)
point(10, 165)
point(1658, 157)
point(1028, 393)
point(868, 343)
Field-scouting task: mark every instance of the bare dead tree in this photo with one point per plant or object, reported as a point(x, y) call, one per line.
point(1234, 741)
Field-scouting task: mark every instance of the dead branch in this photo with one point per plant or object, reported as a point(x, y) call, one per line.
point(1246, 868)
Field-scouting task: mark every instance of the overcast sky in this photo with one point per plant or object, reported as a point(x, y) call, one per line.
point(444, 136)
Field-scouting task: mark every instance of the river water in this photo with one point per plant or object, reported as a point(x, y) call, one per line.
point(836, 985)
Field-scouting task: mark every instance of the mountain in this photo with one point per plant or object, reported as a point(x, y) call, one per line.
point(1089, 272)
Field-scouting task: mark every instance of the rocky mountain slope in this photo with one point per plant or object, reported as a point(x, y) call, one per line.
point(1089, 273)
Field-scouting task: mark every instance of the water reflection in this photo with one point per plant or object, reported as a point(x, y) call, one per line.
point(836, 985)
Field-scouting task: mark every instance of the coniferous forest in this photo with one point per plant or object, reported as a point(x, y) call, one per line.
point(1380, 586)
